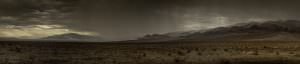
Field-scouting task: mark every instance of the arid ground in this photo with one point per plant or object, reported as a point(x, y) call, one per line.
point(254, 52)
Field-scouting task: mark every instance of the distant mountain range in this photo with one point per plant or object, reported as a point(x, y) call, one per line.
point(73, 37)
point(254, 31)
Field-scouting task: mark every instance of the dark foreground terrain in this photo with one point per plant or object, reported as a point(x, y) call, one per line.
point(258, 52)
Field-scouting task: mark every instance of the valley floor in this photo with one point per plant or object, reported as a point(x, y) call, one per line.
point(262, 52)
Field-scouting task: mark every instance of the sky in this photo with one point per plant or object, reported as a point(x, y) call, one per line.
point(130, 19)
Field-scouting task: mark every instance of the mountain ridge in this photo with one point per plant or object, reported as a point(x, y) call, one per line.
point(288, 30)
point(73, 37)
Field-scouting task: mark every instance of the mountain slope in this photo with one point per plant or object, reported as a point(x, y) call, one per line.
point(165, 37)
point(254, 31)
point(268, 31)
point(73, 37)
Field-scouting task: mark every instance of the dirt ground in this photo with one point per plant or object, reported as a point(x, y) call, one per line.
point(150, 53)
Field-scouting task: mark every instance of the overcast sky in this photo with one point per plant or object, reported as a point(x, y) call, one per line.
point(129, 19)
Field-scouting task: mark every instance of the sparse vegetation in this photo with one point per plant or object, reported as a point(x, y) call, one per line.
point(171, 53)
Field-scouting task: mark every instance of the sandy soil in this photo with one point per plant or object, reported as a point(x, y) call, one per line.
point(150, 53)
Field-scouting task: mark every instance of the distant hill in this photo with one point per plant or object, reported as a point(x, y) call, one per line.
point(73, 37)
point(165, 37)
point(254, 31)
point(8, 39)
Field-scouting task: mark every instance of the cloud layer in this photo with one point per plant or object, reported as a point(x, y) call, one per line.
point(129, 19)
point(34, 19)
point(36, 31)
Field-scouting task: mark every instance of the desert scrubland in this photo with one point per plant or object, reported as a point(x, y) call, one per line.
point(254, 52)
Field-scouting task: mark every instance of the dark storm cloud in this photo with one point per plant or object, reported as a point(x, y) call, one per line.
point(34, 19)
point(128, 19)
point(125, 19)
point(30, 12)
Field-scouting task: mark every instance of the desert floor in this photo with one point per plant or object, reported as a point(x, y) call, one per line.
point(262, 52)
